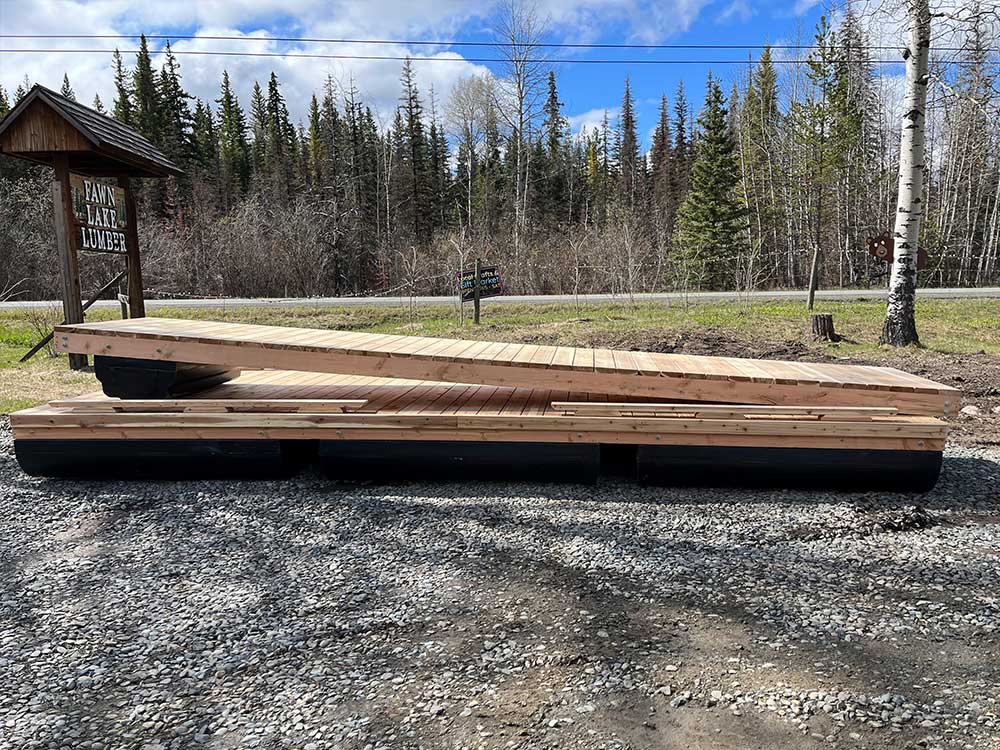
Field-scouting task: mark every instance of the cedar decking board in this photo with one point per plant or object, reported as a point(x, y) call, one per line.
point(624, 375)
point(274, 405)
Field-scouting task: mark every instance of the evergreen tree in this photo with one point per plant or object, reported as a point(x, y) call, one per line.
point(415, 154)
point(175, 119)
point(330, 133)
point(280, 142)
point(711, 220)
point(204, 142)
point(680, 156)
point(627, 160)
point(146, 96)
point(554, 162)
point(122, 110)
point(440, 178)
point(259, 127)
point(316, 145)
point(660, 167)
point(4, 103)
point(98, 104)
point(234, 150)
point(66, 89)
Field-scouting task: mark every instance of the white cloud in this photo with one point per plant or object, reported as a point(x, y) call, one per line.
point(376, 80)
point(586, 122)
point(802, 7)
point(737, 10)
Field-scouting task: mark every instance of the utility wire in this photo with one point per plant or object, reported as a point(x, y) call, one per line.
point(543, 60)
point(463, 43)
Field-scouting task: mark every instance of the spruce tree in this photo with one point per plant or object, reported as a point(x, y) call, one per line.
point(66, 89)
point(711, 220)
point(316, 146)
point(4, 103)
point(680, 155)
point(330, 133)
point(175, 113)
point(555, 164)
point(147, 112)
point(204, 142)
point(98, 104)
point(122, 110)
point(234, 150)
point(416, 152)
point(629, 164)
point(660, 161)
point(258, 127)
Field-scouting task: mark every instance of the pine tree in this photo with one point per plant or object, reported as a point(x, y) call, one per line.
point(147, 113)
point(234, 150)
point(259, 127)
point(627, 160)
point(554, 162)
point(122, 110)
point(66, 89)
point(22, 88)
point(711, 220)
point(330, 133)
point(279, 142)
point(4, 103)
point(440, 179)
point(680, 155)
point(316, 146)
point(416, 152)
point(98, 104)
point(660, 166)
point(175, 117)
point(204, 142)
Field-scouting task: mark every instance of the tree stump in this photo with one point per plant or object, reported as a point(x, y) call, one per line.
point(822, 327)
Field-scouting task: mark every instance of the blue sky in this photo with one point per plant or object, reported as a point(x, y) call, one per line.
point(585, 89)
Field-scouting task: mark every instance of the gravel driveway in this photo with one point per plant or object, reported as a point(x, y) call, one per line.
point(307, 614)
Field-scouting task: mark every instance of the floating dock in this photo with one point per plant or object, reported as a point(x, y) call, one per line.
point(214, 399)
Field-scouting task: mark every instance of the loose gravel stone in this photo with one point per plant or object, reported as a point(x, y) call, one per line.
point(311, 614)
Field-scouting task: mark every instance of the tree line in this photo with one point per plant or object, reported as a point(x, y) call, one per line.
point(773, 180)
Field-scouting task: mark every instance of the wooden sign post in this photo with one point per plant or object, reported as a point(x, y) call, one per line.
point(94, 158)
point(478, 284)
point(62, 207)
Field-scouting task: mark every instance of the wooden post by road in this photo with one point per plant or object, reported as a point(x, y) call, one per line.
point(136, 303)
point(62, 206)
point(475, 289)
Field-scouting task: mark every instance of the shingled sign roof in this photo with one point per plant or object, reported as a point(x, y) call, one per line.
point(109, 147)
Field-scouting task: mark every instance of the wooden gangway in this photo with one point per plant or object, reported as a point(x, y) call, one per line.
point(624, 374)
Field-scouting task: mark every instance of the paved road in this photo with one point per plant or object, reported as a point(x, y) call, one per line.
point(535, 299)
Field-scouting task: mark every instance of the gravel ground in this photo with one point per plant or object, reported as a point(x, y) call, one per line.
point(307, 614)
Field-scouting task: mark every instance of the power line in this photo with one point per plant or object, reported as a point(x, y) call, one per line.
point(464, 43)
point(540, 60)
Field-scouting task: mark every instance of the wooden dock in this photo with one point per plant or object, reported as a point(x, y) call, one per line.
point(668, 377)
point(380, 406)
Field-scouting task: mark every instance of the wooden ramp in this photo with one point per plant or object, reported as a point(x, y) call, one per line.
point(627, 375)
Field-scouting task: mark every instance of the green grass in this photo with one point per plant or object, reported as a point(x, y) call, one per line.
point(951, 326)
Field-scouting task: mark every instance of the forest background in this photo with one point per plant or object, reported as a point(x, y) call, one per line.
point(785, 164)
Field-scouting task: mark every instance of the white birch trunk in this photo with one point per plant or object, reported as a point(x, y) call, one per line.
point(900, 327)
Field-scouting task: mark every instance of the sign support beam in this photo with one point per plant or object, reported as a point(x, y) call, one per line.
point(62, 205)
point(136, 303)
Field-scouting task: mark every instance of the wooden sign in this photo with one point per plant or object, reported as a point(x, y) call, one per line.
point(490, 283)
point(100, 214)
point(883, 246)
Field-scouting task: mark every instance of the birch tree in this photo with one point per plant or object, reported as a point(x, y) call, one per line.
point(900, 328)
